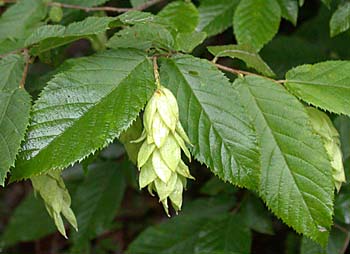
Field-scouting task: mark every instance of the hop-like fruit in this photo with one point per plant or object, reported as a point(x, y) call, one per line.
point(325, 129)
point(159, 159)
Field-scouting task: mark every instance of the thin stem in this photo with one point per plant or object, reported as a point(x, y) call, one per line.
point(240, 72)
point(347, 238)
point(9, 1)
point(12, 52)
point(156, 73)
point(346, 244)
point(341, 228)
point(105, 8)
point(26, 68)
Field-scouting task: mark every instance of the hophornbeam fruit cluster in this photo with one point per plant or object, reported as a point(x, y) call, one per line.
point(330, 137)
point(159, 159)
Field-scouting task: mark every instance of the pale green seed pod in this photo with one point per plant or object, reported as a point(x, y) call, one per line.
point(56, 14)
point(330, 137)
point(57, 200)
point(159, 158)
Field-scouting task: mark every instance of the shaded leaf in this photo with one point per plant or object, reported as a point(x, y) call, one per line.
point(29, 221)
point(325, 85)
point(183, 16)
point(340, 21)
point(131, 134)
point(52, 36)
point(335, 244)
point(296, 174)
point(136, 3)
point(256, 22)
point(195, 233)
point(21, 18)
point(222, 135)
point(216, 16)
point(97, 199)
point(255, 215)
point(186, 42)
point(142, 36)
point(286, 52)
point(289, 10)
point(342, 123)
point(84, 108)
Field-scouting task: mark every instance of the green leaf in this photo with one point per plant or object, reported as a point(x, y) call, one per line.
point(29, 221)
point(142, 36)
point(52, 36)
point(342, 123)
point(56, 197)
point(183, 16)
point(139, 17)
point(296, 174)
point(14, 118)
point(10, 45)
point(97, 199)
point(286, 52)
point(327, 2)
point(84, 108)
point(131, 134)
point(11, 69)
point(340, 21)
point(244, 53)
point(225, 234)
point(221, 133)
point(14, 112)
point(186, 42)
point(255, 215)
point(136, 3)
point(256, 22)
point(216, 16)
point(289, 10)
point(335, 244)
point(325, 85)
point(21, 18)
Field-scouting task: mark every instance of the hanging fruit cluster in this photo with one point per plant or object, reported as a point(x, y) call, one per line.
point(159, 159)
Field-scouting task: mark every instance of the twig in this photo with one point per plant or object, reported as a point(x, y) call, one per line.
point(344, 230)
point(240, 72)
point(26, 68)
point(12, 52)
point(155, 70)
point(105, 8)
point(347, 238)
point(346, 244)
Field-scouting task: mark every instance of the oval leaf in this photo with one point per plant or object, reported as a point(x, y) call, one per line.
point(256, 22)
point(296, 174)
point(325, 85)
point(85, 108)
